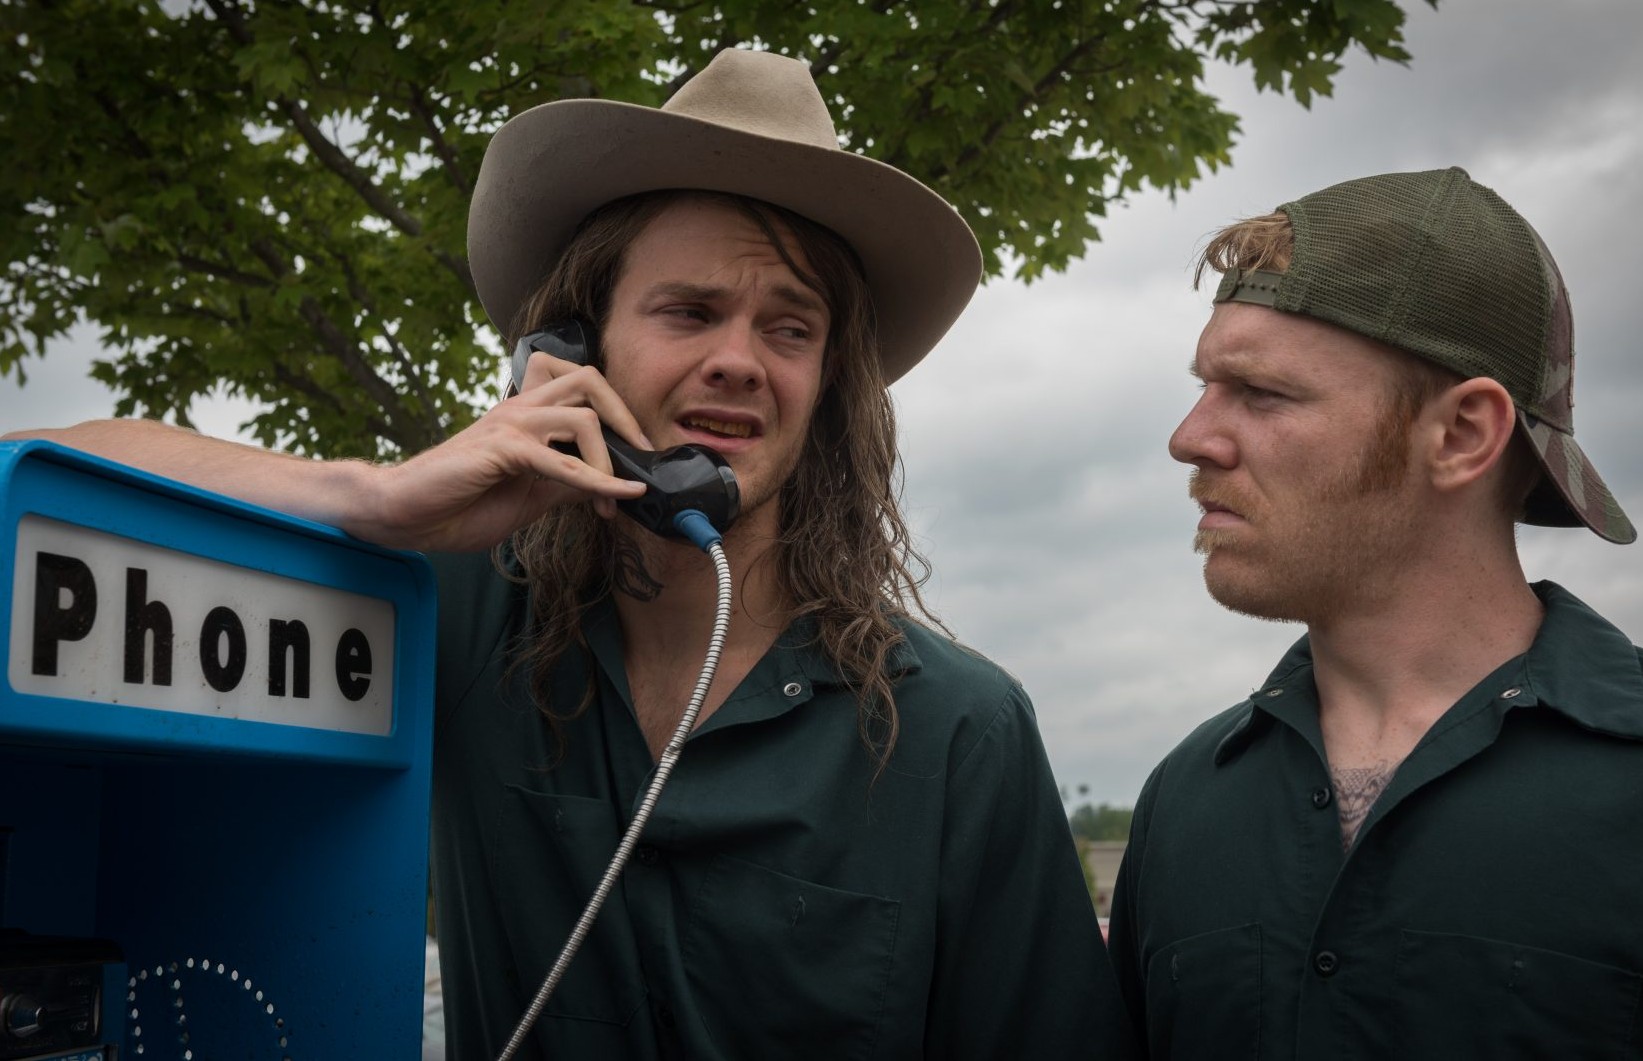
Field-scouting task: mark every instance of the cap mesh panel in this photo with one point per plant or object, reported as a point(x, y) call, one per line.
point(1430, 263)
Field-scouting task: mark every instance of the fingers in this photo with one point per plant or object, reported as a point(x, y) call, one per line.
point(489, 479)
point(592, 476)
point(553, 381)
point(543, 367)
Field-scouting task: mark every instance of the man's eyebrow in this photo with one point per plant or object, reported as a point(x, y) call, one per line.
point(797, 297)
point(801, 297)
point(1232, 364)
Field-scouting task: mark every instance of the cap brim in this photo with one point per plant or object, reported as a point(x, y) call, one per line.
point(550, 166)
point(1571, 494)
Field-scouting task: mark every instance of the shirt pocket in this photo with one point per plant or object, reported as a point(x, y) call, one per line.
point(1462, 996)
point(783, 967)
point(548, 853)
point(1204, 995)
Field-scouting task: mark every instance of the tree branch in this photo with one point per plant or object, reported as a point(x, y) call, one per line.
point(334, 341)
point(336, 160)
point(179, 309)
point(713, 49)
point(442, 147)
point(223, 272)
point(921, 110)
point(320, 396)
point(134, 143)
point(1043, 84)
point(417, 102)
point(990, 135)
point(430, 416)
point(827, 58)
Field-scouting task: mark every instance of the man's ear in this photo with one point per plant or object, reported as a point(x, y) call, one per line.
point(1472, 425)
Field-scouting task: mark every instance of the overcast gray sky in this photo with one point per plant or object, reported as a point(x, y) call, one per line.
point(1034, 436)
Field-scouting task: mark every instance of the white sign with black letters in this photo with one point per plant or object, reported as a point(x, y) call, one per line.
point(112, 620)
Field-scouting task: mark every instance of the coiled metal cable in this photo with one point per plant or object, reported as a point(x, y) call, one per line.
point(653, 792)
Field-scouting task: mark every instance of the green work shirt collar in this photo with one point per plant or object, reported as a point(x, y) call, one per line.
point(784, 678)
point(1579, 665)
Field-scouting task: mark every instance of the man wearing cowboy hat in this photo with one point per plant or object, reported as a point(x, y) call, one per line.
point(1419, 836)
point(862, 852)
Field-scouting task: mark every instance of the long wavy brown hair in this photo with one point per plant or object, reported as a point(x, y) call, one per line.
point(844, 554)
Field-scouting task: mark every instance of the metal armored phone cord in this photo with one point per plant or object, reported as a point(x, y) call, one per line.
point(696, 527)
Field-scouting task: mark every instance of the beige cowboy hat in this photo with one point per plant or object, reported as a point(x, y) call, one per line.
point(753, 124)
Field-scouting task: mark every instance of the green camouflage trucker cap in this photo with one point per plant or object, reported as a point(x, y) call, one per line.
point(1440, 266)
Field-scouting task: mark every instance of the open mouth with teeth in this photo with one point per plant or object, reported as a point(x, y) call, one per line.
point(723, 428)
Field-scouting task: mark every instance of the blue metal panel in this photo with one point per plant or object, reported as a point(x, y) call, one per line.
point(48, 481)
point(266, 882)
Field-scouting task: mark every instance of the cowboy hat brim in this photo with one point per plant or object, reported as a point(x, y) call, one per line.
point(549, 167)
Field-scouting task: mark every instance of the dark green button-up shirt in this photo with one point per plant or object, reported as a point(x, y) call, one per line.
point(1492, 906)
point(782, 903)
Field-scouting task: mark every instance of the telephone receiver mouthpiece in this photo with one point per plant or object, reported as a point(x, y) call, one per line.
point(684, 477)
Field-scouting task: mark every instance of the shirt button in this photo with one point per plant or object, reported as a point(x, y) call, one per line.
point(792, 688)
point(647, 855)
point(1321, 798)
point(664, 1015)
point(1326, 963)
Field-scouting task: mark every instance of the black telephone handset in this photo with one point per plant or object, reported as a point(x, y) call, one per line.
point(684, 477)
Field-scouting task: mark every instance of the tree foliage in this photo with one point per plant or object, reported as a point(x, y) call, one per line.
point(270, 197)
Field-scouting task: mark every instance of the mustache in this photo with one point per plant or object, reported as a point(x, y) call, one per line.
point(1211, 492)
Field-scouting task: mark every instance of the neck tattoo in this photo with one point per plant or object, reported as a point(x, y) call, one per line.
point(631, 576)
point(1356, 791)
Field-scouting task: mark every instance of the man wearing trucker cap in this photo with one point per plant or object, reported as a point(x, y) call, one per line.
point(862, 852)
point(1422, 835)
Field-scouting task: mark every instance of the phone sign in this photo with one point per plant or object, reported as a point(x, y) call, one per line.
point(106, 619)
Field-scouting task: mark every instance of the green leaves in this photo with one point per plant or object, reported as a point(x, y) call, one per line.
point(270, 198)
point(1293, 45)
point(270, 67)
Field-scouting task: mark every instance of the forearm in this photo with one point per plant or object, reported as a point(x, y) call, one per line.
point(338, 493)
point(464, 495)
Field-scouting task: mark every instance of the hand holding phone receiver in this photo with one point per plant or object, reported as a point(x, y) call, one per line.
point(684, 477)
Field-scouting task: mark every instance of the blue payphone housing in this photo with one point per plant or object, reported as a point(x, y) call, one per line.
point(215, 756)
